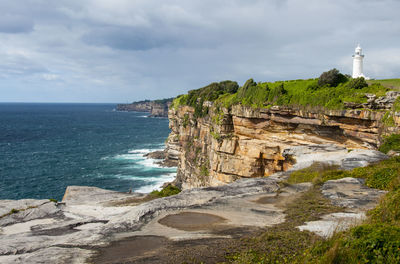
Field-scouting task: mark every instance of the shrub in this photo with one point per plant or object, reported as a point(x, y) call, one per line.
point(277, 94)
point(53, 200)
point(167, 191)
point(357, 83)
point(331, 78)
point(391, 143)
point(14, 211)
point(204, 171)
point(243, 91)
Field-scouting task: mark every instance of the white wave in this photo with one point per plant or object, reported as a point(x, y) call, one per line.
point(139, 151)
point(157, 184)
point(135, 159)
point(151, 163)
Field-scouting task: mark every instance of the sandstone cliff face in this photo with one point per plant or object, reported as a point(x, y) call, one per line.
point(243, 142)
point(159, 110)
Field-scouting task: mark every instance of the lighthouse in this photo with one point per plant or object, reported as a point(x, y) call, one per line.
point(358, 58)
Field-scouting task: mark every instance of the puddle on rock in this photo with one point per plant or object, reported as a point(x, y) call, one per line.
point(268, 200)
point(129, 249)
point(191, 221)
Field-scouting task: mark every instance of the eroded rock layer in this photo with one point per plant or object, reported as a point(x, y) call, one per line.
point(243, 142)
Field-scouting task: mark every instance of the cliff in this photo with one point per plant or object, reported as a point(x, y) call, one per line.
point(157, 108)
point(243, 142)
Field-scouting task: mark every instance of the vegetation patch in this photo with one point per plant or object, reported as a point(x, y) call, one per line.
point(317, 172)
point(388, 119)
point(211, 92)
point(330, 91)
point(388, 210)
point(166, 191)
point(378, 239)
point(375, 241)
point(379, 176)
point(15, 211)
point(367, 243)
point(204, 169)
point(392, 84)
point(391, 142)
point(285, 243)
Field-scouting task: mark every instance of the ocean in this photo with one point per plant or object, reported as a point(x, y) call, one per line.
point(46, 147)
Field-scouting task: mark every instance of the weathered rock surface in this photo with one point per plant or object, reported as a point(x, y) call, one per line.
point(351, 194)
point(384, 102)
point(243, 142)
point(90, 218)
point(331, 223)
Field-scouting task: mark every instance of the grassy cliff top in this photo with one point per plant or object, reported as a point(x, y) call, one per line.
point(392, 84)
point(329, 91)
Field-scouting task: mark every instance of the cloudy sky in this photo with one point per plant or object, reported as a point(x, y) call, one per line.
point(126, 50)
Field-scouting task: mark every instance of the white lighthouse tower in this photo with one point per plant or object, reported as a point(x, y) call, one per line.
point(358, 58)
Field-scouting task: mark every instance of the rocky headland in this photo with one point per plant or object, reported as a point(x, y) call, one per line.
point(156, 108)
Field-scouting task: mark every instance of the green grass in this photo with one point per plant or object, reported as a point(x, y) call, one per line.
point(377, 240)
point(392, 84)
point(379, 176)
point(167, 191)
point(296, 93)
point(317, 172)
point(366, 243)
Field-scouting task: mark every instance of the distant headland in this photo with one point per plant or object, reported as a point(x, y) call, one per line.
point(156, 108)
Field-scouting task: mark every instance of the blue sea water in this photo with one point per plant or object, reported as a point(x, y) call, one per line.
point(46, 147)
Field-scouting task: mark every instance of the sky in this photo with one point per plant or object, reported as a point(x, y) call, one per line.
point(127, 50)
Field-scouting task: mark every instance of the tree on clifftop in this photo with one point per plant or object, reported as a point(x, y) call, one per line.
point(332, 78)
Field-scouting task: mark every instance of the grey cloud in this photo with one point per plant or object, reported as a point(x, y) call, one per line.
point(15, 24)
point(126, 38)
point(126, 50)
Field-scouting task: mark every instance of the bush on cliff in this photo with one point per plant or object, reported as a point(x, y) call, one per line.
point(391, 143)
point(211, 92)
point(357, 83)
point(166, 191)
point(331, 78)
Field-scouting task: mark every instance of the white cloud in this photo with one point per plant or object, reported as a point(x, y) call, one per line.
point(50, 77)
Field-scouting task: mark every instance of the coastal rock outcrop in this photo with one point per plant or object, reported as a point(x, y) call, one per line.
point(245, 142)
point(157, 108)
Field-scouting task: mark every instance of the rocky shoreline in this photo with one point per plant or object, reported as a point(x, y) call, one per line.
point(91, 223)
